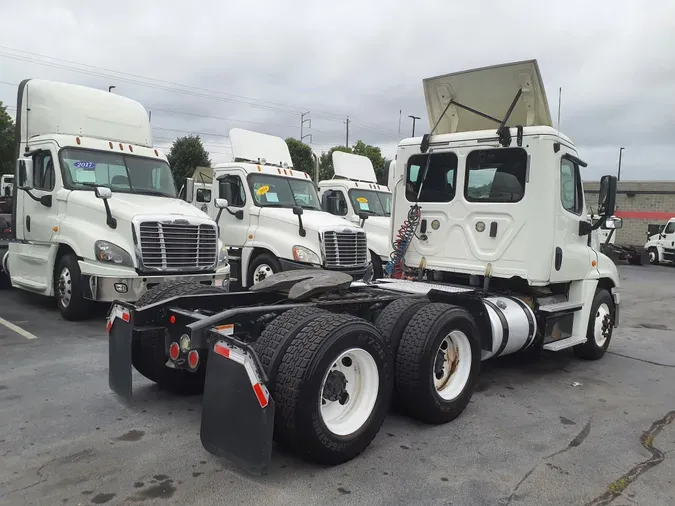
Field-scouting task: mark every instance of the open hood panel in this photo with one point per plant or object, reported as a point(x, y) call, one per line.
point(489, 90)
point(255, 147)
point(351, 166)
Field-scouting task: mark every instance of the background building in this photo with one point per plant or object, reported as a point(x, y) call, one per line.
point(639, 203)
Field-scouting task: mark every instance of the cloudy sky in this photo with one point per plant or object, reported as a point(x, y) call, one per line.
point(208, 66)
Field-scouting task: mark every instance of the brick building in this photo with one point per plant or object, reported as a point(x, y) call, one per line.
point(639, 203)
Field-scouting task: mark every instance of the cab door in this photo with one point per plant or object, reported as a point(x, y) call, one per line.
point(571, 255)
point(234, 221)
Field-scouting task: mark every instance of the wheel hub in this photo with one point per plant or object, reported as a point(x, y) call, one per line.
point(64, 287)
point(261, 272)
point(335, 388)
point(452, 365)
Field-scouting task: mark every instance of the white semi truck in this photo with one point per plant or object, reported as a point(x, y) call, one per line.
point(354, 194)
point(492, 258)
point(661, 246)
point(273, 221)
point(95, 214)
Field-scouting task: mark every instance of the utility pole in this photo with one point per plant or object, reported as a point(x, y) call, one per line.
point(302, 125)
point(414, 118)
point(110, 88)
point(347, 137)
point(618, 175)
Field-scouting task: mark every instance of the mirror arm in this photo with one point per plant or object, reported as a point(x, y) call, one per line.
point(110, 221)
point(36, 199)
point(220, 212)
point(237, 214)
point(301, 230)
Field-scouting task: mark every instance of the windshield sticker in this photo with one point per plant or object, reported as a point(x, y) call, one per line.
point(262, 190)
point(272, 197)
point(364, 206)
point(85, 165)
point(362, 200)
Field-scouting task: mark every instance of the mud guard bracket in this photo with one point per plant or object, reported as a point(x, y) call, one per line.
point(237, 409)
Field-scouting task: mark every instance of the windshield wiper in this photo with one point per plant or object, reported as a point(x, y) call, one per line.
point(154, 193)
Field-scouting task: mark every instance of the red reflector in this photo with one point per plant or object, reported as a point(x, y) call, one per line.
point(108, 326)
point(126, 316)
point(193, 359)
point(174, 351)
point(222, 350)
point(262, 398)
point(172, 319)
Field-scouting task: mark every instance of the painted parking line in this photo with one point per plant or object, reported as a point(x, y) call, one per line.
point(17, 329)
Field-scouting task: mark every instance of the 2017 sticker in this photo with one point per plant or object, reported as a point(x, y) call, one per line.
point(85, 165)
point(362, 200)
point(262, 190)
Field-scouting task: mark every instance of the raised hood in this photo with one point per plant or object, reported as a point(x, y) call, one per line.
point(355, 167)
point(311, 220)
point(491, 91)
point(125, 206)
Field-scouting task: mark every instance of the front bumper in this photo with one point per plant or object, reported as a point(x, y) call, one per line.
point(290, 265)
point(130, 288)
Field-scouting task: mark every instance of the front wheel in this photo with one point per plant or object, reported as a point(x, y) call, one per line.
point(262, 266)
point(600, 326)
point(68, 289)
point(653, 256)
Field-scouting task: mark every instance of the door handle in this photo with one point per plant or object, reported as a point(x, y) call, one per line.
point(28, 223)
point(493, 229)
point(558, 258)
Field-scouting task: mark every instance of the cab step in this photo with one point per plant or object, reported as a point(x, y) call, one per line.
point(565, 343)
point(560, 307)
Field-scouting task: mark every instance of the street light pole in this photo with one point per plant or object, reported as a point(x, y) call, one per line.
point(414, 118)
point(618, 175)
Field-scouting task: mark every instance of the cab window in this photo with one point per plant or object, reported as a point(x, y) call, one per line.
point(495, 175)
point(670, 228)
point(571, 192)
point(232, 188)
point(43, 171)
point(439, 183)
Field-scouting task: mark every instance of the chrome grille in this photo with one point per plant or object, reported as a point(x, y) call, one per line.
point(344, 249)
point(177, 246)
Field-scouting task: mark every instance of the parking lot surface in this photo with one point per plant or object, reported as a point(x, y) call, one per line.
point(560, 431)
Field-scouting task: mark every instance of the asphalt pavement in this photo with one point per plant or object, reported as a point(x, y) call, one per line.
point(560, 431)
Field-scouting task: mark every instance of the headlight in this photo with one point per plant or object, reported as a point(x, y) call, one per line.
point(222, 254)
point(302, 254)
point(110, 253)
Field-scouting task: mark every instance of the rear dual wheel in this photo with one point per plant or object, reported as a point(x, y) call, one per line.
point(332, 383)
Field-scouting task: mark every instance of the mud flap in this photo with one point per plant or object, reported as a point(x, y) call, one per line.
point(120, 327)
point(237, 409)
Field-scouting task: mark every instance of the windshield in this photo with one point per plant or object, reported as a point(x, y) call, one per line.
point(277, 191)
point(371, 202)
point(84, 168)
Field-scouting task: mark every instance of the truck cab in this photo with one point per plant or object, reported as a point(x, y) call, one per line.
point(661, 246)
point(355, 195)
point(95, 211)
point(273, 220)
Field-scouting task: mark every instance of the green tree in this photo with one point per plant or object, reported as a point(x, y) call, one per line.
point(186, 154)
point(326, 162)
point(302, 156)
point(7, 142)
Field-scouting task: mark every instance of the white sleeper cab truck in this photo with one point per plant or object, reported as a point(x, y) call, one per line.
point(496, 261)
point(273, 220)
point(355, 195)
point(95, 213)
point(661, 246)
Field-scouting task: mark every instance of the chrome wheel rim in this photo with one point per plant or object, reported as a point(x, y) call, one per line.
point(65, 287)
point(261, 272)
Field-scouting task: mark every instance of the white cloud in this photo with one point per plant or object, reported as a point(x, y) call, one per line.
point(614, 60)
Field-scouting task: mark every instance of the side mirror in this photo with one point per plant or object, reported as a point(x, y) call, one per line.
point(297, 210)
point(221, 203)
point(613, 223)
point(102, 192)
point(25, 166)
point(189, 189)
point(607, 196)
point(363, 217)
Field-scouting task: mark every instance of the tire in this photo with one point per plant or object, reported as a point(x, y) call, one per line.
point(394, 318)
point(277, 336)
point(68, 289)
point(376, 261)
point(416, 360)
point(148, 355)
point(653, 255)
point(264, 259)
point(602, 314)
point(304, 421)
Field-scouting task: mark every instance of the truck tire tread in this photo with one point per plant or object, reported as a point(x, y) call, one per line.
point(394, 318)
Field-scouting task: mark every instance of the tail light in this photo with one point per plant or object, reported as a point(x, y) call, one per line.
point(174, 351)
point(193, 359)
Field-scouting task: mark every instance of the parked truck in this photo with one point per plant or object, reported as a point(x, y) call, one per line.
point(95, 215)
point(312, 358)
point(273, 221)
point(354, 192)
point(661, 245)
